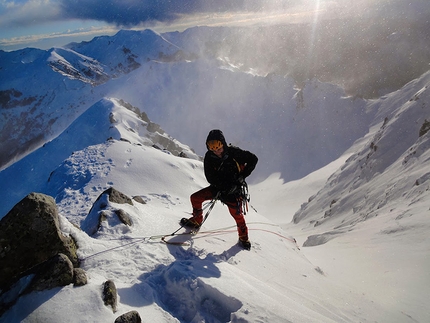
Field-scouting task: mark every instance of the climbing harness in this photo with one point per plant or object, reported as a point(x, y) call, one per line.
point(245, 197)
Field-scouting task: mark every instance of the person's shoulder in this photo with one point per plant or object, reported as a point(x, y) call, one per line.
point(207, 155)
point(240, 153)
point(231, 148)
point(210, 156)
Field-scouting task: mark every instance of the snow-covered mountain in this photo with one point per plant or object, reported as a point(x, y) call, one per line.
point(43, 91)
point(99, 123)
point(361, 216)
point(386, 167)
point(183, 91)
point(369, 221)
point(212, 279)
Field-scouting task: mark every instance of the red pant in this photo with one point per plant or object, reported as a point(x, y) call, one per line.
point(235, 209)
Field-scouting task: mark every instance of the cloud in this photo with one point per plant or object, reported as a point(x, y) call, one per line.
point(127, 13)
point(27, 13)
point(20, 18)
point(135, 12)
point(46, 41)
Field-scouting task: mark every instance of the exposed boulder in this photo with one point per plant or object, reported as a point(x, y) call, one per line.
point(79, 277)
point(103, 212)
point(124, 217)
point(139, 199)
point(424, 128)
point(56, 272)
point(117, 197)
point(35, 255)
point(129, 317)
point(110, 296)
point(30, 235)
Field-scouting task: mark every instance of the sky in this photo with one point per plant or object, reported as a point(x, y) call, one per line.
point(42, 23)
point(48, 23)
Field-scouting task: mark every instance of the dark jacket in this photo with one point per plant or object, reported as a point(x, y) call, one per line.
point(223, 173)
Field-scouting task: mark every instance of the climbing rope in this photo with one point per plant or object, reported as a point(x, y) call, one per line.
point(201, 234)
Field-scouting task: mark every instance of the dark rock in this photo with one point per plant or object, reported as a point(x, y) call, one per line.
point(56, 272)
point(153, 127)
point(30, 235)
point(110, 294)
point(424, 128)
point(102, 217)
point(117, 197)
point(79, 277)
point(139, 199)
point(124, 217)
point(102, 211)
point(130, 317)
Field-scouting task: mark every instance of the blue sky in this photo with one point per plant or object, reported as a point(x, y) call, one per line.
point(48, 23)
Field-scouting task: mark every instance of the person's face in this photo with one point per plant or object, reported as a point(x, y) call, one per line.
point(216, 146)
point(219, 151)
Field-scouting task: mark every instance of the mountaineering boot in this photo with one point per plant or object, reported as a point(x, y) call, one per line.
point(190, 223)
point(245, 244)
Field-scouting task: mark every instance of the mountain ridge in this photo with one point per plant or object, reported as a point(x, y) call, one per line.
point(102, 122)
point(179, 94)
point(388, 164)
point(40, 82)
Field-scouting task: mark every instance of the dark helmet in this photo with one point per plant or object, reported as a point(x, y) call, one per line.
point(215, 139)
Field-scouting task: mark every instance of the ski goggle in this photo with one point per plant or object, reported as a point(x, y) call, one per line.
point(214, 145)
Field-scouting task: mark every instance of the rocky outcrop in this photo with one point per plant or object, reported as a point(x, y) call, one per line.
point(30, 235)
point(35, 255)
point(129, 317)
point(424, 128)
point(116, 196)
point(103, 211)
point(56, 272)
point(79, 277)
point(110, 296)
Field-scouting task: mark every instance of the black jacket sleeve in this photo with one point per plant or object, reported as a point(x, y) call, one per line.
point(247, 162)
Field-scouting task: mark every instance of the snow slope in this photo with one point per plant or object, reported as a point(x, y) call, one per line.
point(94, 126)
point(361, 222)
point(211, 280)
point(374, 211)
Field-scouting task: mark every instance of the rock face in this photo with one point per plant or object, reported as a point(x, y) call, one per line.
point(35, 255)
point(79, 277)
point(103, 211)
point(117, 197)
point(56, 272)
point(110, 296)
point(29, 236)
point(129, 317)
